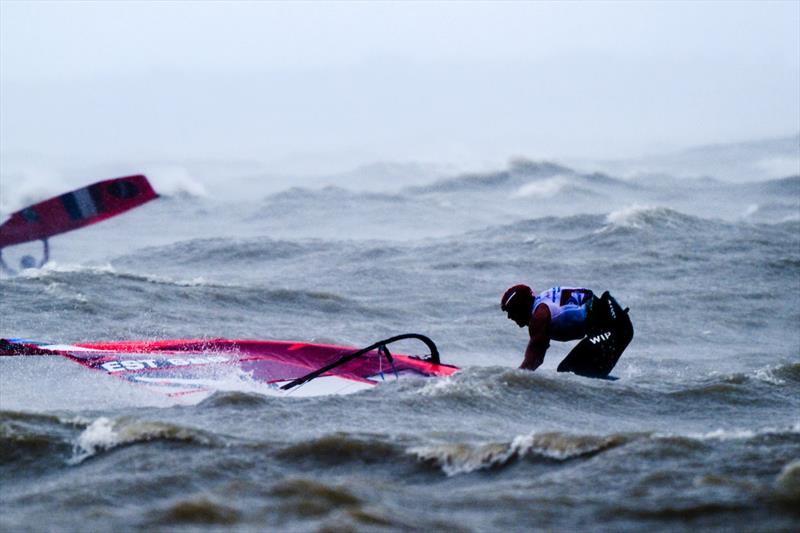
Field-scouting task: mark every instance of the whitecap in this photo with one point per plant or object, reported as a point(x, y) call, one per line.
point(546, 188)
point(173, 180)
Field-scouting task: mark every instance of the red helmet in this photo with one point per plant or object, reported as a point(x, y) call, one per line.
point(517, 300)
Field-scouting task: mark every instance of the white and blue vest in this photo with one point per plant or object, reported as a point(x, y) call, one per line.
point(568, 318)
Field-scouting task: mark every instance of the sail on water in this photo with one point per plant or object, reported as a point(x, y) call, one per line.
point(278, 368)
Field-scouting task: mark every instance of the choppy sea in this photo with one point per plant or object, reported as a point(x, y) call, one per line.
point(701, 430)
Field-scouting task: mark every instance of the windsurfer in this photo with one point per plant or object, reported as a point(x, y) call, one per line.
point(27, 261)
point(559, 313)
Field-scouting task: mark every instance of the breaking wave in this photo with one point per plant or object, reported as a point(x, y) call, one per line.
point(175, 181)
point(650, 217)
point(788, 483)
point(454, 459)
point(560, 447)
point(105, 434)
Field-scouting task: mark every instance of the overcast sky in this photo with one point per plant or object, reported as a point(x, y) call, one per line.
point(294, 84)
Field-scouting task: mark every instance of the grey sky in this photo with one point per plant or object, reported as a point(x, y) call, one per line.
point(342, 83)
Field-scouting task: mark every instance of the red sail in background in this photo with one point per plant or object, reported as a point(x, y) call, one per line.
point(76, 209)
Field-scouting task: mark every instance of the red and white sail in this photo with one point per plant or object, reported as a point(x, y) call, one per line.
point(181, 367)
point(76, 209)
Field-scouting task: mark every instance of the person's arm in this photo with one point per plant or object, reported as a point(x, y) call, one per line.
point(540, 338)
point(46, 256)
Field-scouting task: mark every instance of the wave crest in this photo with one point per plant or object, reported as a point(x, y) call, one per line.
point(30, 440)
point(460, 458)
point(788, 481)
point(338, 448)
point(639, 216)
point(175, 181)
point(105, 434)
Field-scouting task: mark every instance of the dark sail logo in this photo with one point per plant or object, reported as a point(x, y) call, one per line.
point(29, 214)
point(123, 190)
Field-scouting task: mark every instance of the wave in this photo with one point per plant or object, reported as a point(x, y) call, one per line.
point(729, 391)
point(506, 387)
point(756, 387)
point(532, 229)
point(689, 511)
point(733, 434)
point(519, 172)
point(175, 181)
point(558, 447)
point(383, 176)
point(481, 383)
point(789, 186)
point(452, 458)
point(198, 510)
point(58, 272)
point(105, 434)
point(630, 222)
point(312, 500)
point(468, 182)
point(773, 212)
point(303, 488)
point(335, 214)
point(459, 458)
point(34, 441)
point(646, 217)
point(84, 288)
point(236, 399)
point(788, 484)
point(782, 496)
point(779, 374)
point(306, 196)
point(338, 507)
point(340, 448)
point(525, 177)
point(224, 251)
point(549, 188)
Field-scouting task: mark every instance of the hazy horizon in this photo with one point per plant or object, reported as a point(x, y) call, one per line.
point(327, 86)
